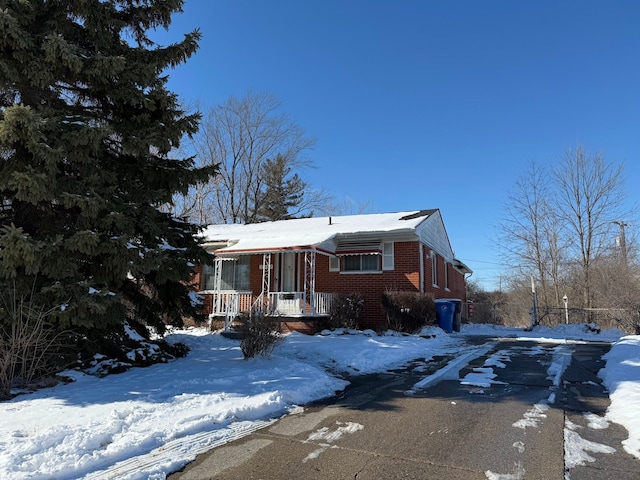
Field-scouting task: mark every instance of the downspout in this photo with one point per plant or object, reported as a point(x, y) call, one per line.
point(465, 284)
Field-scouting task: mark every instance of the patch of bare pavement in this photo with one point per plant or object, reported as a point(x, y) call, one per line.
point(502, 410)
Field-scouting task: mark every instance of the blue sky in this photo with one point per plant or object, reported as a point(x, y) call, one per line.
point(430, 104)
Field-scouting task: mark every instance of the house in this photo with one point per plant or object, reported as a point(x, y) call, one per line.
point(293, 268)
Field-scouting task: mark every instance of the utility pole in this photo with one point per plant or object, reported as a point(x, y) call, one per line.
point(623, 241)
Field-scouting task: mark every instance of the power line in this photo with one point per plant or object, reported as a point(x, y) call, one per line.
point(480, 261)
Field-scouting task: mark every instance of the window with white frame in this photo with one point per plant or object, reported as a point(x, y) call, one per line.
point(209, 277)
point(234, 275)
point(334, 264)
point(387, 256)
point(434, 268)
point(361, 263)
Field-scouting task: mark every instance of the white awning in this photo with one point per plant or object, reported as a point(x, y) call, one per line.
point(359, 248)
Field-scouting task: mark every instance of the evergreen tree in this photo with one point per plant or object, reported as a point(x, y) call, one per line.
point(88, 132)
point(282, 192)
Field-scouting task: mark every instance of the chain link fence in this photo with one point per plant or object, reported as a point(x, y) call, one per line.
point(519, 315)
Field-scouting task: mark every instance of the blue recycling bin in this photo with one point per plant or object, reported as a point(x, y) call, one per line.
point(457, 314)
point(445, 312)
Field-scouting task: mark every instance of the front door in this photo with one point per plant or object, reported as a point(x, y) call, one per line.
point(288, 300)
point(288, 273)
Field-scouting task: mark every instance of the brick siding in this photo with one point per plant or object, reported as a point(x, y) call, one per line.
point(404, 277)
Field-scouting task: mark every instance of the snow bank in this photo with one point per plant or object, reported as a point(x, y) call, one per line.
point(622, 377)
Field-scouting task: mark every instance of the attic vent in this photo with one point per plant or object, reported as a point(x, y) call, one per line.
point(359, 248)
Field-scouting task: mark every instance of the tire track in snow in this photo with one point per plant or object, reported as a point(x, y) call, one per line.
point(145, 466)
point(451, 370)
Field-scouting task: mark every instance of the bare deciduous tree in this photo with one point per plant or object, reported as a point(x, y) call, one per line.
point(589, 198)
point(239, 136)
point(559, 225)
point(530, 233)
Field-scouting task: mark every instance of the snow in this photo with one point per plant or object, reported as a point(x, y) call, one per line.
point(577, 447)
point(195, 299)
point(325, 434)
point(166, 246)
point(148, 422)
point(533, 416)
point(624, 389)
point(308, 232)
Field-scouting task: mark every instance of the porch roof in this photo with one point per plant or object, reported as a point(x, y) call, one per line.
point(321, 233)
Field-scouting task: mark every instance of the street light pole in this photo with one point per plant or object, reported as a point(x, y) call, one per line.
point(566, 309)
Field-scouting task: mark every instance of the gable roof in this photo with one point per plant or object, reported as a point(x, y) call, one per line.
point(332, 235)
point(316, 233)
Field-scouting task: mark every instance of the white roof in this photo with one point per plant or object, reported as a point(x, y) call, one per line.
point(318, 233)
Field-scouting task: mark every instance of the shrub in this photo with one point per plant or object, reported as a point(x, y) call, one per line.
point(122, 347)
point(260, 335)
point(345, 311)
point(30, 345)
point(408, 311)
point(34, 349)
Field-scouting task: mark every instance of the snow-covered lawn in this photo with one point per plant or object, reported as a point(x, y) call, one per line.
point(148, 422)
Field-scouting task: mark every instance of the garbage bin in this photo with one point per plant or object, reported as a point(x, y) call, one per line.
point(445, 312)
point(457, 316)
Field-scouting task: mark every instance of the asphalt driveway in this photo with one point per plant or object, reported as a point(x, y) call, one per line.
point(505, 415)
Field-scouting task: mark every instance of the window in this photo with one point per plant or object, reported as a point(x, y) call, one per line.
point(387, 256)
point(446, 275)
point(361, 263)
point(334, 264)
point(434, 268)
point(209, 277)
point(235, 274)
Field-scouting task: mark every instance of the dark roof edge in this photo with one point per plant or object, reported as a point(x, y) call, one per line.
point(421, 213)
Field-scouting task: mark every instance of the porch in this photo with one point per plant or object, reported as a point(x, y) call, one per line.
point(230, 304)
point(285, 283)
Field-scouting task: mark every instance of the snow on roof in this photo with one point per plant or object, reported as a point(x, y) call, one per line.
point(309, 233)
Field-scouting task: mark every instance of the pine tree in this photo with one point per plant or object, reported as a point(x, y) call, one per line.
point(88, 132)
point(282, 192)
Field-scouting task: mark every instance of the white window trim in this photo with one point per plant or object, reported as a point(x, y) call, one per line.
point(388, 259)
point(446, 276)
point(360, 272)
point(434, 269)
point(334, 267)
point(208, 272)
point(361, 257)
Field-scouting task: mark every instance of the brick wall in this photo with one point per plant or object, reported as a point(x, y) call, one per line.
point(255, 274)
point(405, 277)
point(197, 279)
